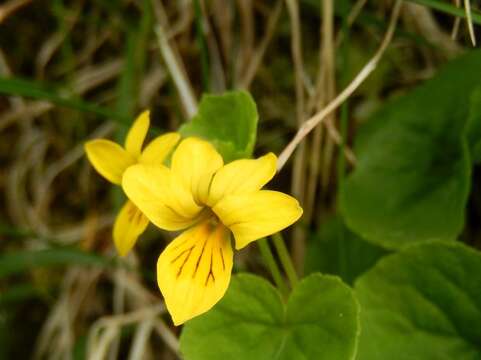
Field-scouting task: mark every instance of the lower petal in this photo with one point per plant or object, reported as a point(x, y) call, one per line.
point(194, 271)
point(255, 215)
point(129, 225)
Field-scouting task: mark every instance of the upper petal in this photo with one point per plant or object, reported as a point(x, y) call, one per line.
point(108, 158)
point(129, 225)
point(258, 214)
point(156, 191)
point(194, 271)
point(158, 149)
point(136, 135)
point(195, 161)
point(242, 176)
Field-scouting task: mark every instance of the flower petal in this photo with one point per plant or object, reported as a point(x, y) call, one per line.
point(242, 176)
point(194, 271)
point(159, 148)
point(156, 191)
point(136, 135)
point(109, 159)
point(255, 215)
point(129, 225)
point(195, 161)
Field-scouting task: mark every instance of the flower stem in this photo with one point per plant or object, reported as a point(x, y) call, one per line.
point(285, 258)
point(272, 265)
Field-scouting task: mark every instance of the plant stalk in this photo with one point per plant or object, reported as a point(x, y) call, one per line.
point(269, 260)
point(285, 259)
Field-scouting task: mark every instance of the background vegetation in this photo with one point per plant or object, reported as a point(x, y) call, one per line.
point(76, 70)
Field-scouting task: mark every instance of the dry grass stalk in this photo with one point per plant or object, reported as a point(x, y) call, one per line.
point(329, 89)
point(325, 92)
point(457, 22)
point(299, 166)
point(469, 21)
point(10, 7)
point(173, 62)
point(315, 120)
point(259, 52)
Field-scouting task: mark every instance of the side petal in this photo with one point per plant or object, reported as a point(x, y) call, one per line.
point(242, 176)
point(137, 133)
point(194, 271)
point(255, 215)
point(160, 196)
point(159, 148)
point(109, 159)
point(129, 225)
point(195, 161)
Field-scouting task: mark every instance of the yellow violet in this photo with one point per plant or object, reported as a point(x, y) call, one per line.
point(211, 201)
point(111, 160)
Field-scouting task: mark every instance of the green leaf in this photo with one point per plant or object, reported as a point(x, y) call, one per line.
point(229, 121)
point(20, 261)
point(474, 126)
point(412, 178)
point(334, 249)
point(34, 90)
point(422, 303)
point(18, 293)
point(80, 348)
point(447, 8)
point(4, 335)
point(319, 321)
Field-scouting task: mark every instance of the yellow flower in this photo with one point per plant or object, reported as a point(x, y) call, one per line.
point(211, 200)
point(111, 160)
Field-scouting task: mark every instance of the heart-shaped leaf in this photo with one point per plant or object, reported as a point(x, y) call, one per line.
point(334, 249)
point(319, 321)
point(422, 303)
point(412, 178)
point(474, 126)
point(229, 121)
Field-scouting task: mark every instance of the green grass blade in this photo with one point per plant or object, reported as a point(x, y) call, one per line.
point(449, 9)
point(20, 261)
point(34, 90)
point(11, 231)
point(18, 293)
point(202, 43)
